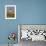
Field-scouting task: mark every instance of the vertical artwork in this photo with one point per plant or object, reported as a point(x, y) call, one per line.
point(10, 11)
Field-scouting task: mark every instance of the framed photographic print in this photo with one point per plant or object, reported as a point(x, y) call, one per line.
point(10, 11)
point(33, 32)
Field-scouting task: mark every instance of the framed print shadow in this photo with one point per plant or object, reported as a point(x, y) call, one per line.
point(10, 11)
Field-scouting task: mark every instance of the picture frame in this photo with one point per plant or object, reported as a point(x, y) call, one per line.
point(33, 31)
point(10, 11)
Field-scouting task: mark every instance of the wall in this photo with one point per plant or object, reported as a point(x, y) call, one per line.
point(27, 11)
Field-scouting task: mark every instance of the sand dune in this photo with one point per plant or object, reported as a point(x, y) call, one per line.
point(10, 14)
